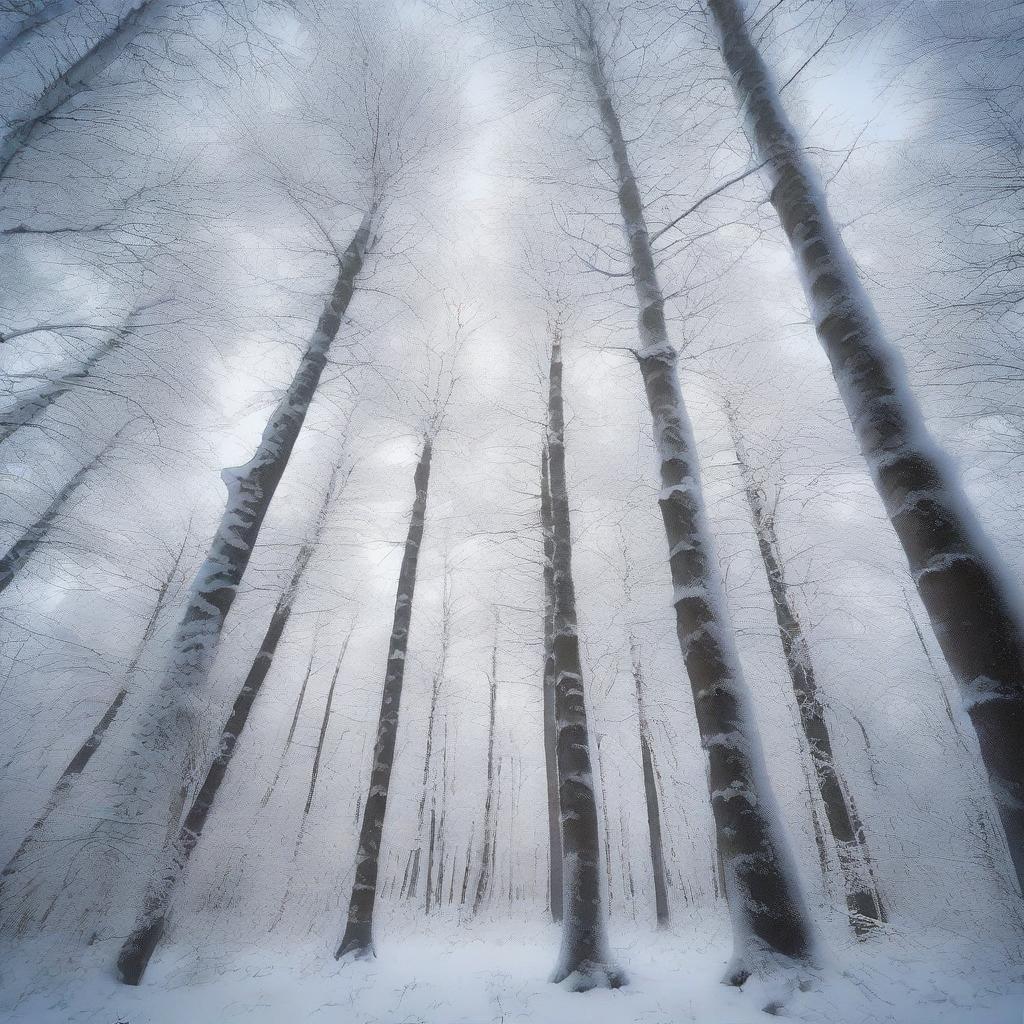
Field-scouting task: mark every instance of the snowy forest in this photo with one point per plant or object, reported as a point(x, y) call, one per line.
point(510, 511)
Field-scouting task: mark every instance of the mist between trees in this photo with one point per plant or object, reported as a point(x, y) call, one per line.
point(553, 463)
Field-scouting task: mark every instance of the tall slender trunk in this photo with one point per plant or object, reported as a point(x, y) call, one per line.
point(140, 945)
point(958, 576)
point(584, 960)
point(763, 887)
point(32, 404)
point(76, 766)
point(863, 900)
point(435, 692)
point(550, 753)
point(487, 850)
point(167, 750)
point(17, 556)
point(291, 729)
point(358, 938)
point(650, 792)
point(76, 79)
point(325, 723)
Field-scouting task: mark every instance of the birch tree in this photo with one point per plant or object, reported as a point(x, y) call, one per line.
point(957, 574)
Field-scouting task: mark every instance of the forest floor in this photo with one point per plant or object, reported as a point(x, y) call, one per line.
point(484, 976)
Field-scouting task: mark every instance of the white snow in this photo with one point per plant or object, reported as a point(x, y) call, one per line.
point(487, 975)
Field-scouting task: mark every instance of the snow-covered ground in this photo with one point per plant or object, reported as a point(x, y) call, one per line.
point(481, 976)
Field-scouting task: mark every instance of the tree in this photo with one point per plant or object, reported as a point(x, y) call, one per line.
point(57, 97)
point(584, 961)
point(863, 900)
point(764, 892)
point(36, 533)
point(550, 739)
point(487, 848)
point(140, 945)
point(31, 404)
point(956, 573)
point(650, 791)
point(358, 938)
point(78, 763)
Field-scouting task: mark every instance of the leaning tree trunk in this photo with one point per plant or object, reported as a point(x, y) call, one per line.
point(32, 404)
point(958, 576)
point(650, 792)
point(164, 762)
point(550, 751)
point(863, 900)
point(584, 961)
point(763, 888)
point(36, 533)
point(358, 938)
point(483, 881)
point(140, 945)
point(73, 81)
point(76, 766)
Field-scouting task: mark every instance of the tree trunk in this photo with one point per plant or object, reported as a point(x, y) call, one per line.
point(550, 753)
point(863, 900)
point(25, 546)
point(958, 576)
point(763, 888)
point(584, 961)
point(487, 851)
point(77, 765)
point(140, 945)
point(650, 793)
point(75, 80)
point(166, 753)
point(358, 938)
point(324, 725)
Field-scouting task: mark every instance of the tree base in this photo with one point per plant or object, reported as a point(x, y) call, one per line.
point(356, 945)
point(135, 954)
point(587, 975)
